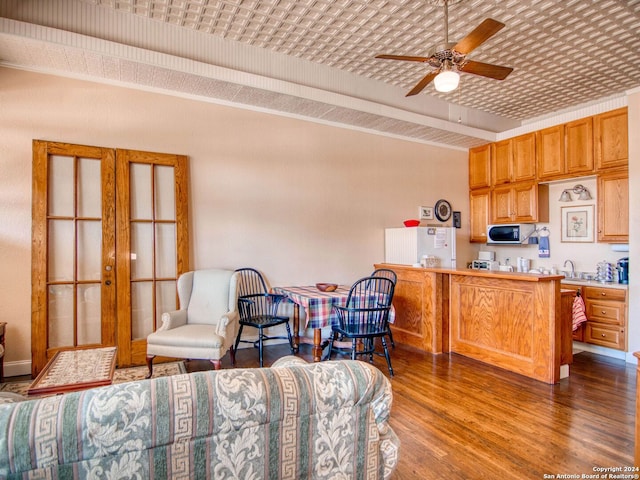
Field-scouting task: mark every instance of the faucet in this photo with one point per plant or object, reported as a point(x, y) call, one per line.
point(573, 267)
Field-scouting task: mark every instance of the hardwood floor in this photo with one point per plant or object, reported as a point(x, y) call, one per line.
point(460, 419)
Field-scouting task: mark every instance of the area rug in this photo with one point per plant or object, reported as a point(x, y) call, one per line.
point(121, 375)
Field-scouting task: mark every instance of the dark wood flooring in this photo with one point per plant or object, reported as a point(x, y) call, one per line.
point(461, 419)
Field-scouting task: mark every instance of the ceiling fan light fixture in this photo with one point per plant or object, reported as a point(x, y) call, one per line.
point(446, 81)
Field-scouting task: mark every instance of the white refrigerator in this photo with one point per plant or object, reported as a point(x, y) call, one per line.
point(408, 245)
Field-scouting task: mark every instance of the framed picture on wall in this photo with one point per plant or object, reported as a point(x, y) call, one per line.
point(577, 224)
point(426, 213)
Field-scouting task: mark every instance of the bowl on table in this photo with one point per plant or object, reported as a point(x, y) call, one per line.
point(326, 287)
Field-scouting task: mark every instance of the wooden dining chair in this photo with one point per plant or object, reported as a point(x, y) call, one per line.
point(259, 309)
point(365, 317)
point(391, 275)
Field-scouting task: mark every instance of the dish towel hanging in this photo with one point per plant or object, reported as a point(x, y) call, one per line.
point(543, 244)
point(579, 312)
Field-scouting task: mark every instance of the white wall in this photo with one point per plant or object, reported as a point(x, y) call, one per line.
point(301, 201)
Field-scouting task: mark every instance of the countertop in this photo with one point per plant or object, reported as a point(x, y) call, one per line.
point(526, 277)
point(595, 283)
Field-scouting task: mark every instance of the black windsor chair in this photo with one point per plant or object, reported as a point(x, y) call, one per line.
point(391, 275)
point(365, 317)
point(259, 309)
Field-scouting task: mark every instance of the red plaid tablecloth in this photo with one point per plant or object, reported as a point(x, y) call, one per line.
point(319, 305)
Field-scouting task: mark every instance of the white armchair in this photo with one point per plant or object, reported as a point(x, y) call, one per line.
point(207, 323)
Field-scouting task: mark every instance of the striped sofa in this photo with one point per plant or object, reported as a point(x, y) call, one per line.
point(295, 420)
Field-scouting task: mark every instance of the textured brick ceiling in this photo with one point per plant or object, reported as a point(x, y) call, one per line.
point(564, 52)
point(316, 58)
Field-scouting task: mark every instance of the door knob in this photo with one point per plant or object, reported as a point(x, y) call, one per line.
point(108, 282)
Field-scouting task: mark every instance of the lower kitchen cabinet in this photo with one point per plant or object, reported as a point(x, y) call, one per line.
point(607, 317)
point(420, 300)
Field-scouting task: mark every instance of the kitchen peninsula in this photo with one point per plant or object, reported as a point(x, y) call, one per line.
point(507, 319)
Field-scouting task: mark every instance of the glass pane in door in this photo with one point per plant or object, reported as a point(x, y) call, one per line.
point(165, 299)
point(61, 188)
point(61, 316)
point(165, 250)
point(89, 188)
point(61, 258)
point(141, 250)
point(141, 309)
point(89, 314)
point(141, 191)
point(89, 246)
point(165, 198)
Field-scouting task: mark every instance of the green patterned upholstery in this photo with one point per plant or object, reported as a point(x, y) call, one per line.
point(294, 421)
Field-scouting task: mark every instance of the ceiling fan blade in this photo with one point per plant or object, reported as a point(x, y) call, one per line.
point(486, 70)
point(483, 32)
point(404, 57)
point(423, 83)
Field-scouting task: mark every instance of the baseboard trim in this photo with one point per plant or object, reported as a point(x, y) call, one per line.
point(17, 369)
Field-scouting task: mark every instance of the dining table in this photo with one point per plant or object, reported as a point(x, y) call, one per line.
point(318, 306)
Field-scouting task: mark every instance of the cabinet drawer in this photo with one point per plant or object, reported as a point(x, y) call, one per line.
point(605, 293)
point(606, 312)
point(604, 335)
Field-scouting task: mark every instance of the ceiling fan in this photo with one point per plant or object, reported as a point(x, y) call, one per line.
point(449, 58)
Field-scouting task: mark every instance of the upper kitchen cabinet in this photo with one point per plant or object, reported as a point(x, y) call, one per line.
point(550, 152)
point(480, 167)
point(479, 203)
point(513, 160)
point(565, 150)
point(611, 134)
point(613, 207)
point(524, 157)
point(579, 147)
point(522, 202)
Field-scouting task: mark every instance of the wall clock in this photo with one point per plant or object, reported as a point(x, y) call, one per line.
point(443, 210)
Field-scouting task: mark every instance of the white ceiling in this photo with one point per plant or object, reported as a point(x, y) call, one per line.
point(315, 58)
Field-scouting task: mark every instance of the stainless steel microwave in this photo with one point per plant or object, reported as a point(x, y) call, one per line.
point(512, 234)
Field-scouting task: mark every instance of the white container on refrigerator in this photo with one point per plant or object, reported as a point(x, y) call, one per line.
point(406, 246)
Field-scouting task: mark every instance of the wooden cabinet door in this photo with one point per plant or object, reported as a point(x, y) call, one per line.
point(579, 146)
point(480, 167)
point(613, 207)
point(524, 158)
point(611, 133)
point(525, 200)
point(479, 215)
point(501, 162)
point(550, 152)
point(502, 208)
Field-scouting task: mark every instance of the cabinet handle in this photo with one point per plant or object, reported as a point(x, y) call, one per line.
point(604, 294)
point(604, 335)
point(604, 312)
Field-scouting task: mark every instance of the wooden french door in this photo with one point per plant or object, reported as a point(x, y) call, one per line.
point(109, 241)
point(153, 244)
